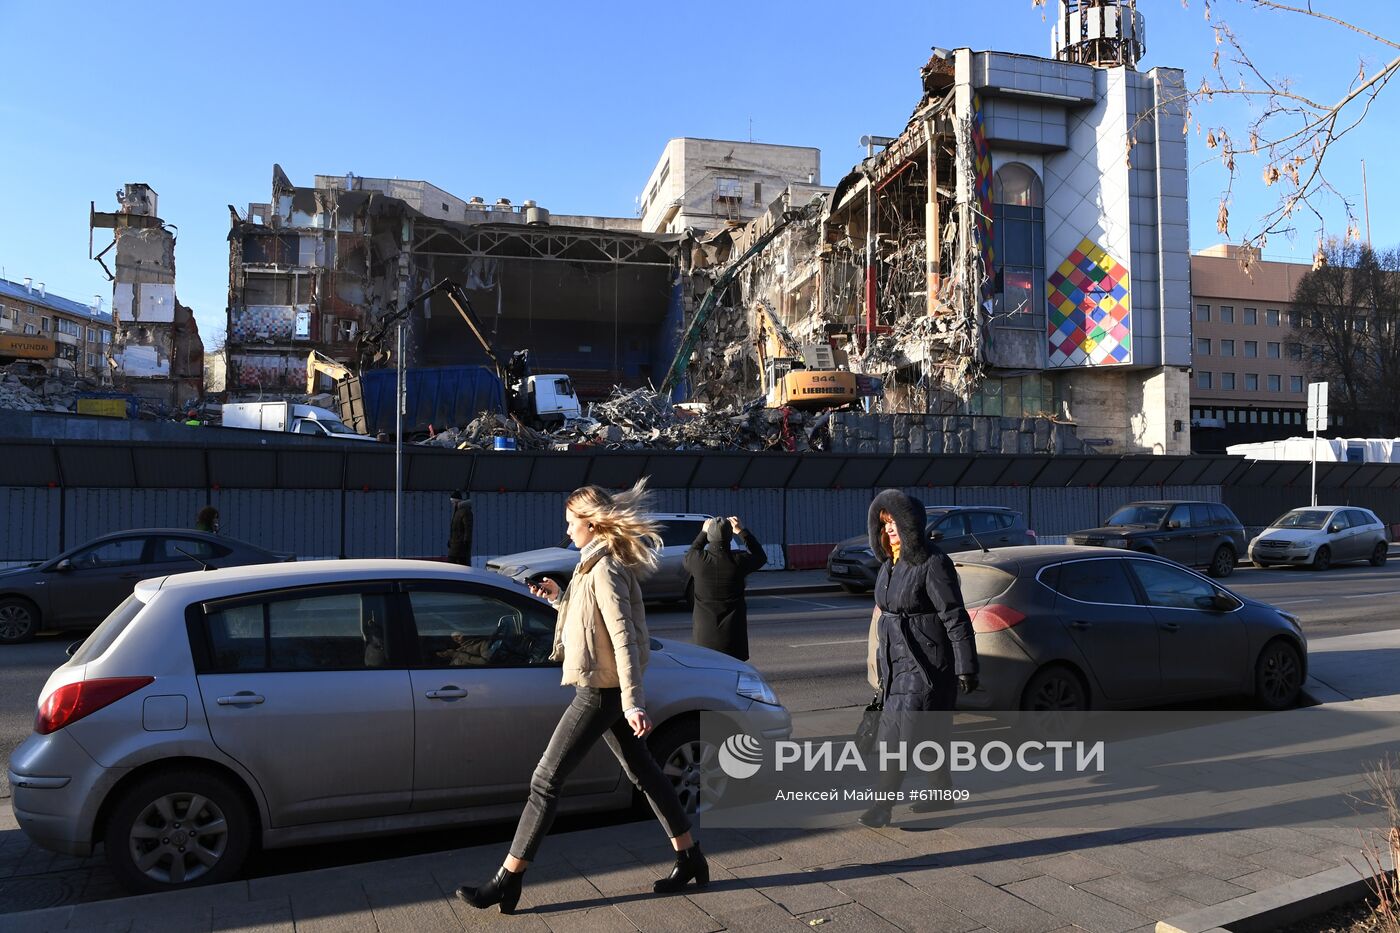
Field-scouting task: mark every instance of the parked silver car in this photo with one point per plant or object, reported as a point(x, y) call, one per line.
point(294, 703)
point(670, 582)
point(79, 587)
point(1320, 537)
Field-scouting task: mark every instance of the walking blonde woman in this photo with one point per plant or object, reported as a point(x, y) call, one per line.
point(601, 637)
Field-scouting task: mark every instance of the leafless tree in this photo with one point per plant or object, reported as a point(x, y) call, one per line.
point(1350, 334)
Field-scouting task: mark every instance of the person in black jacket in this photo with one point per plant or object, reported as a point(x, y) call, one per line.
point(459, 536)
point(926, 652)
point(720, 616)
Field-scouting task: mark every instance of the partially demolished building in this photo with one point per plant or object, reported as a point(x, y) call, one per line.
point(157, 353)
point(1019, 250)
point(321, 267)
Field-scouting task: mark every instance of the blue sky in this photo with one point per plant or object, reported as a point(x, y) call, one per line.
point(566, 103)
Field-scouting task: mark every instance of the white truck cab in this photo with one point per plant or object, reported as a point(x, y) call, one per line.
point(289, 418)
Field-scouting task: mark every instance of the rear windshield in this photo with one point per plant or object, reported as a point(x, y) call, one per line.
point(1138, 515)
point(1307, 519)
point(102, 637)
point(980, 584)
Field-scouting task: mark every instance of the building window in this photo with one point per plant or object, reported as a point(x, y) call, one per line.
point(1295, 319)
point(1227, 348)
point(1274, 350)
point(44, 325)
point(66, 351)
point(1203, 346)
point(91, 335)
point(92, 360)
point(1271, 317)
point(1018, 224)
point(1227, 380)
point(1275, 382)
point(758, 193)
point(6, 313)
point(1227, 314)
point(1251, 348)
point(1251, 316)
point(1295, 351)
point(1229, 416)
point(1295, 384)
point(1203, 380)
point(1251, 382)
point(1203, 312)
point(1253, 416)
point(29, 330)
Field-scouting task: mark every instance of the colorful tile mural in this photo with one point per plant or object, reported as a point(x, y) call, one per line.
point(1090, 319)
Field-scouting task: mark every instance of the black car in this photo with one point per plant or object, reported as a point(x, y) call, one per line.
point(953, 527)
point(1064, 628)
point(78, 588)
point(1196, 534)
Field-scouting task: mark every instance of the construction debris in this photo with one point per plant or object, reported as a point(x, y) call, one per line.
point(642, 419)
point(36, 393)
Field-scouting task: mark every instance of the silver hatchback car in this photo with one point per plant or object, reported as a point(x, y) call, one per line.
point(277, 705)
point(1321, 536)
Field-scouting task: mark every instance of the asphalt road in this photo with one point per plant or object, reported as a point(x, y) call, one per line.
point(811, 646)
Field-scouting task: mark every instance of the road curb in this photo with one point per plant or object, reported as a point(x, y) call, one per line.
point(794, 588)
point(1279, 906)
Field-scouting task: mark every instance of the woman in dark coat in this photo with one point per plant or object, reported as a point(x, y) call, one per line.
point(926, 651)
point(721, 617)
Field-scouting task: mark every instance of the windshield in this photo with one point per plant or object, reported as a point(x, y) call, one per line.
point(979, 584)
point(335, 427)
point(1137, 515)
point(101, 639)
point(1308, 519)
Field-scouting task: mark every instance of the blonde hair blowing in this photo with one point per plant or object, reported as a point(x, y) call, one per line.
point(618, 518)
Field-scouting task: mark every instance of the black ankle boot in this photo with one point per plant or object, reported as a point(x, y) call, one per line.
point(876, 816)
point(503, 889)
point(690, 866)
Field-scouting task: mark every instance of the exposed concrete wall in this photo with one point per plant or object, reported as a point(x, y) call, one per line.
point(714, 181)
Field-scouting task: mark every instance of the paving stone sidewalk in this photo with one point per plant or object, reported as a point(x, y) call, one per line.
point(917, 875)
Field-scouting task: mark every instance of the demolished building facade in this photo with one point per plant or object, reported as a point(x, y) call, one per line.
point(321, 268)
point(156, 353)
point(1019, 251)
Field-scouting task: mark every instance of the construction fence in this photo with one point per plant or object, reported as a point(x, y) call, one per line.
point(337, 500)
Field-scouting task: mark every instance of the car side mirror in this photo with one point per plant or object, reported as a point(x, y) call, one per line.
point(935, 536)
point(63, 566)
point(1217, 603)
point(1334, 528)
point(1174, 524)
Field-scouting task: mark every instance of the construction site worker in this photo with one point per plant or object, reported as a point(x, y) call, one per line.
point(720, 616)
point(459, 536)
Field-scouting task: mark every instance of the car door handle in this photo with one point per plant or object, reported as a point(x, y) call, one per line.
point(1081, 624)
point(1170, 626)
point(446, 693)
point(243, 698)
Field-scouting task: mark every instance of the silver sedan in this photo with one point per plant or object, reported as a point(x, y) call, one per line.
point(215, 713)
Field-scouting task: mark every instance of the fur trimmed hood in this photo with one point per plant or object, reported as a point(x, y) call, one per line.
point(909, 518)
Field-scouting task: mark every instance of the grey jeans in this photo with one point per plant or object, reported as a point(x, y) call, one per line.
point(594, 713)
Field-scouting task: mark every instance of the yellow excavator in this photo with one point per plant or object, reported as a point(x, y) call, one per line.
point(795, 376)
point(317, 363)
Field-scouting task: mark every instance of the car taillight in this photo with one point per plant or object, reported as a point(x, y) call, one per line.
point(72, 702)
point(994, 618)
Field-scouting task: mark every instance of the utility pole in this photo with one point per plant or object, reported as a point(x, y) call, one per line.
point(400, 398)
point(1366, 202)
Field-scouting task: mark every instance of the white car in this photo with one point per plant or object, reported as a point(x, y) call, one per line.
point(1320, 536)
point(670, 581)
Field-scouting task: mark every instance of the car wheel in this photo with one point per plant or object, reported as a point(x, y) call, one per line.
point(1223, 563)
point(1278, 676)
point(178, 829)
point(690, 764)
point(1323, 558)
point(1379, 554)
point(1055, 689)
point(19, 620)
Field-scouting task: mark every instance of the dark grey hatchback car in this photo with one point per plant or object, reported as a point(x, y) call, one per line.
point(1196, 534)
point(952, 527)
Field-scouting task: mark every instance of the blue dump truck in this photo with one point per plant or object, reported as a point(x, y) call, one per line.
point(440, 396)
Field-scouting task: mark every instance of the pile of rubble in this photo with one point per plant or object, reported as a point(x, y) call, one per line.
point(642, 419)
point(35, 393)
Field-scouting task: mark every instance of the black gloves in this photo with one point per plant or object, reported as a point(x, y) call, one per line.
point(967, 682)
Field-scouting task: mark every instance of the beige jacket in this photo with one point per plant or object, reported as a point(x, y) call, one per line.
point(601, 635)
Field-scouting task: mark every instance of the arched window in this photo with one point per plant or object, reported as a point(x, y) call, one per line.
point(1018, 229)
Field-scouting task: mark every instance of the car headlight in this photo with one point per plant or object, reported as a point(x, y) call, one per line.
point(1115, 542)
point(756, 688)
point(1291, 619)
point(511, 571)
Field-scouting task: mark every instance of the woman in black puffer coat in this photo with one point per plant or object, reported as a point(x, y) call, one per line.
point(925, 649)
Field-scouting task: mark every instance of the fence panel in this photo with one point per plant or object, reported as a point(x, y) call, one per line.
point(31, 527)
point(1054, 513)
point(89, 512)
point(819, 518)
point(304, 522)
